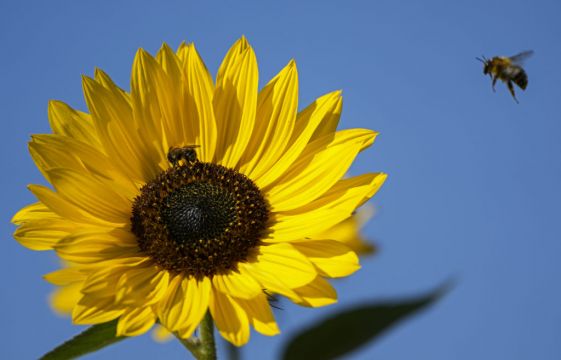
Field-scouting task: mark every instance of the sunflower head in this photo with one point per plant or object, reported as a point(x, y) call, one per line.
point(187, 195)
point(199, 219)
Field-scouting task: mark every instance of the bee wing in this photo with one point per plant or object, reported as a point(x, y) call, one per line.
point(519, 58)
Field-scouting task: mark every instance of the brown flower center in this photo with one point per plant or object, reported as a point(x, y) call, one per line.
point(197, 218)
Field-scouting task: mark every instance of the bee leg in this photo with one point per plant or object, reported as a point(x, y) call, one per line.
point(511, 89)
point(494, 83)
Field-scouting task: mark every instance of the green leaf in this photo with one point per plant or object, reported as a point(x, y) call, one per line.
point(346, 331)
point(92, 339)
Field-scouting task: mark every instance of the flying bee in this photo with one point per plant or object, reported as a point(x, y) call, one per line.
point(186, 153)
point(508, 69)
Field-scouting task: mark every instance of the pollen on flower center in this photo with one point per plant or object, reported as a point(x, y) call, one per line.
point(198, 218)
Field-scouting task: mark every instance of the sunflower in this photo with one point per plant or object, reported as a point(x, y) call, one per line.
point(186, 196)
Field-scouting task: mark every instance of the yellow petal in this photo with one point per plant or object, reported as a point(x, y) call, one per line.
point(181, 53)
point(61, 206)
point(94, 245)
point(320, 166)
point(169, 62)
point(142, 285)
point(100, 200)
point(277, 105)
point(330, 121)
point(41, 163)
point(332, 258)
point(336, 205)
point(316, 294)
point(285, 262)
point(307, 123)
point(135, 321)
point(272, 283)
point(147, 113)
point(201, 125)
point(65, 276)
point(95, 311)
point(230, 318)
point(51, 151)
point(348, 232)
point(55, 151)
point(184, 305)
point(102, 283)
point(63, 299)
point(237, 284)
point(102, 78)
point(72, 123)
point(235, 102)
point(117, 131)
point(35, 211)
point(260, 315)
point(346, 194)
point(162, 96)
point(305, 225)
point(173, 98)
point(43, 234)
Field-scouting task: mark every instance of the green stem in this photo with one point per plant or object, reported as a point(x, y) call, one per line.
point(208, 347)
point(192, 344)
point(202, 348)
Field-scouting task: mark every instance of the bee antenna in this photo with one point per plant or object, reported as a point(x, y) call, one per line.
point(484, 60)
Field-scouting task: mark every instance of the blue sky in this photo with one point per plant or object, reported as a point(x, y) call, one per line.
point(473, 191)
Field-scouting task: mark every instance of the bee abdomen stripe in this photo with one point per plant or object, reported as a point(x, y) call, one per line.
point(521, 79)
